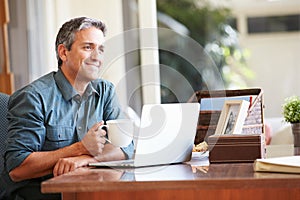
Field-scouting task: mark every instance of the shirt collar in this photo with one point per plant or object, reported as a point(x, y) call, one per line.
point(64, 85)
point(89, 90)
point(67, 89)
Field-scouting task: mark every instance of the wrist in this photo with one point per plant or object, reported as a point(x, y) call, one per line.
point(88, 159)
point(81, 148)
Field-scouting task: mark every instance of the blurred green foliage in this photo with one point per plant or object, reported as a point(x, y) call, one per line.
point(214, 29)
point(291, 109)
point(199, 17)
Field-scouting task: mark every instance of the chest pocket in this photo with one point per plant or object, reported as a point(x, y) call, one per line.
point(58, 137)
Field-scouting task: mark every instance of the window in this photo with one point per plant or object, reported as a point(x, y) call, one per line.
point(269, 24)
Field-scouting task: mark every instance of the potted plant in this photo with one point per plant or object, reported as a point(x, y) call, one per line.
point(291, 114)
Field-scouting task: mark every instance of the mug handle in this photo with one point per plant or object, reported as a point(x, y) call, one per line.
point(105, 127)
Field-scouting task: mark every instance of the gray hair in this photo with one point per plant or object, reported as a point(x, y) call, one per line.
point(66, 33)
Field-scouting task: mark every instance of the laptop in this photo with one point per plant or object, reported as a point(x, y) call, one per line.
point(165, 136)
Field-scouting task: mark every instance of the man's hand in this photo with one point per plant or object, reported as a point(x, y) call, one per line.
point(65, 165)
point(94, 140)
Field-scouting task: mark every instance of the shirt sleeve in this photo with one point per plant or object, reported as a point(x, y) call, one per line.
point(113, 110)
point(26, 130)
point(112, 107)
point(128, 151)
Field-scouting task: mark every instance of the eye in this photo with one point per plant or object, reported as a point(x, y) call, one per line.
point(101, 49)
point(87, 47)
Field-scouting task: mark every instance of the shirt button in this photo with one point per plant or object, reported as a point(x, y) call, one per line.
point(79, 128)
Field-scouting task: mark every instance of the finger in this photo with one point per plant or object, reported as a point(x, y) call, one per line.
point(66, 169)
point(60, 170)
point(72, 167)
point(99, 148)
point(102, 132)
point(60, 167)
point(102, 140)
point(55, 170)
point(97, 125)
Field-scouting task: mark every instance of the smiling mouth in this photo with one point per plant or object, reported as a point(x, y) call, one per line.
point(93, 64)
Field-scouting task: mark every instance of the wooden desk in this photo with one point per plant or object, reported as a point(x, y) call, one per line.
point(182, 181)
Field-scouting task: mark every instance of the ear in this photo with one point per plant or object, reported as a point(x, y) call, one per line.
point(62, 52)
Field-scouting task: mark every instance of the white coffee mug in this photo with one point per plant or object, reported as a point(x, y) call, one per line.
point(119, 132)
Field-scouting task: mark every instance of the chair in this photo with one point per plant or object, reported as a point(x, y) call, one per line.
point(3, 126)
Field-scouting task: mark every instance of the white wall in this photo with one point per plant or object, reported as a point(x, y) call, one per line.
point(275, 60)
point(274, 56)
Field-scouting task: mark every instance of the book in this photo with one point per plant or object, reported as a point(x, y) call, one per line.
point(286, 164)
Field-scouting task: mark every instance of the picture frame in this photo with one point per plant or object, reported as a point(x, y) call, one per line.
point(232, 118)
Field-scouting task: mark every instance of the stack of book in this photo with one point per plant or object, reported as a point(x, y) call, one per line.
point(286, 164)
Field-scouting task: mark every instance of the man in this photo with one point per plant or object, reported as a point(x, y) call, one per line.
point(54, 122)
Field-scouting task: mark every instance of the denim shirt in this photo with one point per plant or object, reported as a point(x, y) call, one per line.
point(48, 114)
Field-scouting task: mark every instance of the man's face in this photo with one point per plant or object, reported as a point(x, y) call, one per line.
point(84, 61)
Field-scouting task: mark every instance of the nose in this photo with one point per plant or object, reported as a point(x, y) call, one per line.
point(97, 55)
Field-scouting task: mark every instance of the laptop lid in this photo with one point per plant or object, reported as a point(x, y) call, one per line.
point(166, 134)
